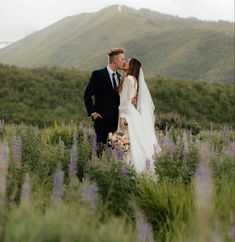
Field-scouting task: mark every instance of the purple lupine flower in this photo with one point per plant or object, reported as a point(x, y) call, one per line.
point(148, 164)
point(184, 135)
point(94, 143)
point(93, 150)
point(157, 149)
point(58, 184)
point(80, 126)
point(178, 140)
point(90, 195)
point(73, 160)
point(204, 188)
point(2, 123)
point(197, 141)
point(61, 147)
point(62, 124)
point(26, 188)
point(85, 133)
point(186, 145)
point(144, 229)
point(231, 232)
point(225, 133)
point(75, 136)
point(205, 152)
point(123, 172)
point(90, 131)
point(119, 153)
point(17, 149)
point(153, 157)
point(210, 133)
point(167, 142)
point(109, 151)
point(4, 153)
point(186, 148)
point(166, 129)
point(189, 133)
point(4, 150)
point(231, 149)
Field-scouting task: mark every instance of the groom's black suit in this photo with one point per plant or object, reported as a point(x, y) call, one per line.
point(106, 104)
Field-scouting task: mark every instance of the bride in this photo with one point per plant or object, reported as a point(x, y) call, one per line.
point(137, 121)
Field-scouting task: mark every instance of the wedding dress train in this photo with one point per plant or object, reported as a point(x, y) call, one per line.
point(141, 132)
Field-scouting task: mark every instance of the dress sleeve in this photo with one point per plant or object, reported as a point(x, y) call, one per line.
point(124, 99)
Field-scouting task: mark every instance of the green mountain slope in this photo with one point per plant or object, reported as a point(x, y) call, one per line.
point(167, 45)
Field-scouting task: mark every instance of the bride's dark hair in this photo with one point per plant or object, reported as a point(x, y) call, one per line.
point(134, 68)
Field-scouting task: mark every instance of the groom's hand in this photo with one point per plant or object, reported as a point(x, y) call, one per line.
point(95, 115)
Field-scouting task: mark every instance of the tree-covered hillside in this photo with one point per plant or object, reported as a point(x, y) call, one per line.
point(42, 95)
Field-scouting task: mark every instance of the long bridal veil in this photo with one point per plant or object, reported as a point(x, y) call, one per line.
point(146, 108)
point(145, 103)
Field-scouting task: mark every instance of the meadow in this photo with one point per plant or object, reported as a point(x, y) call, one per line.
point(53, 187)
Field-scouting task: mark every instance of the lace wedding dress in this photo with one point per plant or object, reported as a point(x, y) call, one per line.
point(141, 132)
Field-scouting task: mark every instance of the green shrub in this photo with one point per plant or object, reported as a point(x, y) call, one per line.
point(224, 193)
point(174, 120)
point(116, 181)
point(167, 206)
point(64, 223)
point(177, 165)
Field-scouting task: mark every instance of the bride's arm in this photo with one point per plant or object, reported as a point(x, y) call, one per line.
point(124, 101)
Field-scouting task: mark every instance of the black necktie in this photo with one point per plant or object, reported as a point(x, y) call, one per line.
point(114, 81)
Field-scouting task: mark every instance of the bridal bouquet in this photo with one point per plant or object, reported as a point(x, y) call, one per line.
point(119, 140)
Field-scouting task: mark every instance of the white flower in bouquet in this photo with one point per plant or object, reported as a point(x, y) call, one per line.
point(119, 140)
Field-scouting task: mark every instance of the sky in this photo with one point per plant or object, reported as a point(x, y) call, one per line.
point(19, 18)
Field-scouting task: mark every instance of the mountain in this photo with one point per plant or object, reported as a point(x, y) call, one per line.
point(4, 44)
point(167, 45)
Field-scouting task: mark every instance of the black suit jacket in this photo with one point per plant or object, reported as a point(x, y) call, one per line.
point(106, 99)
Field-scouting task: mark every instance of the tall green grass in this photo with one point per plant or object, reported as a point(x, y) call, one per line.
point(57, 190)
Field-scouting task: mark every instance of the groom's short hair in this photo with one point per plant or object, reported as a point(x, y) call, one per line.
point(115, 51)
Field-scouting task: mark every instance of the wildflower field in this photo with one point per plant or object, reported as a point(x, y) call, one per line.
point(53, 188)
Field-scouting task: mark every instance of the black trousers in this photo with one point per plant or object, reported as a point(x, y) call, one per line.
point(108, 123)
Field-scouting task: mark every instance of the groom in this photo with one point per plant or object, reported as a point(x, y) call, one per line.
point(104, 109)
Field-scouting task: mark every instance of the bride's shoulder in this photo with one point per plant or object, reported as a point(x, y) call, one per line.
point(130, 78)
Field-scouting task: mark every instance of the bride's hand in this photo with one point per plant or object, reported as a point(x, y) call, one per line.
point(134, 101)
point(123, 126)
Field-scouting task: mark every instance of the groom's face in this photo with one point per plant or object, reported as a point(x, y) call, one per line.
point(120, 61)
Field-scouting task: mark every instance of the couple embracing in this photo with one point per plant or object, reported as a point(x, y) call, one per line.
point(123, 103)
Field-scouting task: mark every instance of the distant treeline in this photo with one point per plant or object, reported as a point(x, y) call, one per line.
point(42, 96)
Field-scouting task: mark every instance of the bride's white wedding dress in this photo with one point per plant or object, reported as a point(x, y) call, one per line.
point(140, 119)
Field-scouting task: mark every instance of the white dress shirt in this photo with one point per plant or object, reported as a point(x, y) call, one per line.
point(110, 71)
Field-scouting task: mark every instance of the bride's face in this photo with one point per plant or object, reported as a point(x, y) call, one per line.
point(126, 65)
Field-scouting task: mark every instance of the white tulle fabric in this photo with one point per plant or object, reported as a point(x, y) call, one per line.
point(141, 131)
